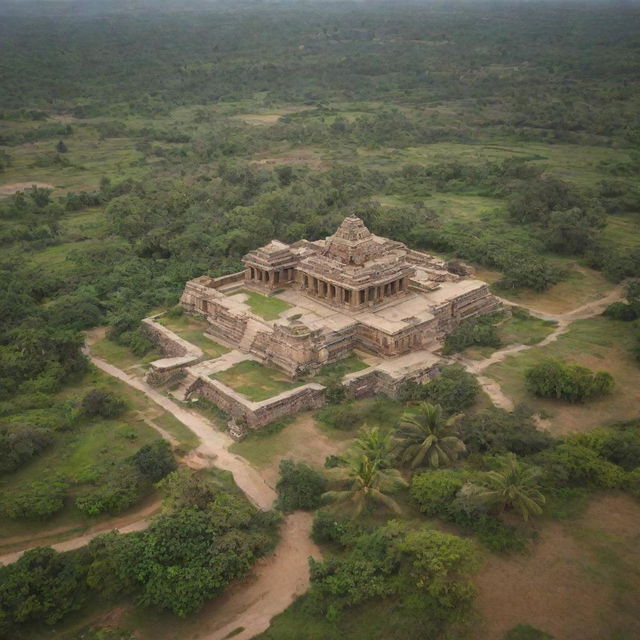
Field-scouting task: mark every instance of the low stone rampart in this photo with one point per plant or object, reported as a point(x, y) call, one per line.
point(179, 352)
point(259, 414)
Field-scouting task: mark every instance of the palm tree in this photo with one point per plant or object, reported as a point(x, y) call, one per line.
point(366, 483)
point(514, 486)
point(376, 445)
point(425, 437)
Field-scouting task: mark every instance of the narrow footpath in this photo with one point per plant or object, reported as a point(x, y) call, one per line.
point(277, 579)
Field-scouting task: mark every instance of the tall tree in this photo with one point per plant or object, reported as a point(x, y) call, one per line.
point(365, 483)
point(513, 486)
point(425, 437)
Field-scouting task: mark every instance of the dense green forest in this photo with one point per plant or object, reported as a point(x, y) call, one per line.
point(145, 144)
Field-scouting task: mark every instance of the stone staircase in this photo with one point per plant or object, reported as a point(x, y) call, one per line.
point(251, 330)
point(182, 391)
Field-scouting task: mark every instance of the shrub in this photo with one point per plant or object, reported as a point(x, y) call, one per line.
point(344, 416)
point(632, 483)
point(619, 443)
point(299, 486)
point(115, 490)
point(480, 332)
point(104, 404)
point(331, 528)
point(526, 632)
point(435, 491)
point(41, 586)
point(620, 311)
point(39, 501)
point(571, 464)
point(20, 443)
point(454, 390)
point(556, 379)
point(155, 460)
point(498, 431)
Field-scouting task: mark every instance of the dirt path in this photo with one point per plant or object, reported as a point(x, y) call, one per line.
point(252, 603)
point(214, 443)
point(134, 522)
point(563, 322)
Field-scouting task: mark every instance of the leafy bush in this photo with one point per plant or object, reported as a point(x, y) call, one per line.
point(20, 443)
point(344, 416)
point(104, 404)
point(480, 332)
point(556, 379)
point(619, 443)
point(331, 528)
point(454, 389)
point(621, 311)
point(435, 491)
point(575, 465)
point(498, 431)
point(632, 483)
point(115, 490)
point(526, 632)
point(155, 460)
point(424, 567)
point(299, 486)
point(39, 501)
point(41, 586)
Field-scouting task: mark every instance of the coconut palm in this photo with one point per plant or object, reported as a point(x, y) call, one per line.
point(366, 483)
point(376, 445)
point(425, 437)
point(513, 486)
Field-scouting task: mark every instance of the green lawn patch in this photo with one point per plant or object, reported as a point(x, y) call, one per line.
point(192, 330)
point(341, 368)
point(267, 307)
point(255, 381)
point(121, 356)
point(523, 328)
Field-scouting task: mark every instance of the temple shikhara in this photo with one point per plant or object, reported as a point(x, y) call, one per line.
point(353, 290)
point(298, 307)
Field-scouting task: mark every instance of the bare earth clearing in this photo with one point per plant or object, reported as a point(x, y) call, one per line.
point(14, 187)
point(581, 580)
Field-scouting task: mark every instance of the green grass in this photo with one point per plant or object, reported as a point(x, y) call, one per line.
point(192, 330)
point(523, 328)
point(262, 446)
point(341, 368)
point(597, 343)
point(267, 307)
point(121, 356)
point(255, 381)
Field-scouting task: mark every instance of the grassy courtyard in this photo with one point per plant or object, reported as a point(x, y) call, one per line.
point(255, 381)
point(192, 330)
point(337, 370)
point(266, 307)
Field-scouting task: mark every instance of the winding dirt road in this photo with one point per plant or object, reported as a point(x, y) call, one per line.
point(563, 322)
point(277, 579)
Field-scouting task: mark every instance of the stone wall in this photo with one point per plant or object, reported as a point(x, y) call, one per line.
point(179, 352)
point(259, 414)
point(370, 382)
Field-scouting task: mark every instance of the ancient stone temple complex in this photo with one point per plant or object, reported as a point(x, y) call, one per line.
point(296, 308)
point(353, 290)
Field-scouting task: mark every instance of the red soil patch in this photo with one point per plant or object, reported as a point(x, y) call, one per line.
point(14, 187)
point(581, 580)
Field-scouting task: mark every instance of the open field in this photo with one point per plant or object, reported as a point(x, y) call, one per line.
point(579, 582)
point(597, 343)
